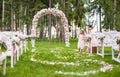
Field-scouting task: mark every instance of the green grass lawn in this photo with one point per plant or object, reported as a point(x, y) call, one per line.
point(52, 57)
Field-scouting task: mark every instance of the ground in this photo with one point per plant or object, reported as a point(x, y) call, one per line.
point(53, 59)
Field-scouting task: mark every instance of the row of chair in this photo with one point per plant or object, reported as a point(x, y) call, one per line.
point(15, 44)
point(109, 40)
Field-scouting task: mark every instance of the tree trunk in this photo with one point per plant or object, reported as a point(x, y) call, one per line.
point(62, 38)
point(75, 32)
point(2, 15)
point(49, 29)
point(12, 15)
point(20, 14)
point(100, 18)
point(114, 20)
point(27, 22)
point(49, 26)
point(45, 28)
point(45, 32)
point(15, 21)
point(62, 25)
point(72, 31)
point(57, 29)
point(25, 14)
point(42, 29)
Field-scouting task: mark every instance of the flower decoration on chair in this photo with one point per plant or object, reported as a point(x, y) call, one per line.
point(3, 46)
point(22, 36)
point(16, 39)
point(101, 36)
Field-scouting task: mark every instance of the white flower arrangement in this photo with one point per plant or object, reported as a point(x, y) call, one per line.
point(117, 36)
point(15, 39)
point(22, 36)
point(3, 38)
point(9, 45)
point(100, 35)
point(50, 11)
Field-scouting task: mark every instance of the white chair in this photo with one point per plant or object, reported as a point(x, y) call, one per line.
point(108, 41)
point(3, 58)
point(16, 40)
point(116, 47)
point(11, 51)
point(100, 36)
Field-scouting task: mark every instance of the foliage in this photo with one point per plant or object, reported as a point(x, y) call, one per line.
point(3, 47)
point(74, 10)
point(118, 41)
point(108, 12)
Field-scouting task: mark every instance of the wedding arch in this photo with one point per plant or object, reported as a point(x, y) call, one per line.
point(55, 12)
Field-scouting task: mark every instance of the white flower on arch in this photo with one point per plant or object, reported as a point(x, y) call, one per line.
point(56, 12)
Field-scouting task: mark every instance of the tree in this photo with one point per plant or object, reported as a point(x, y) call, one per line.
point(49, 27)
point(12, 15)
point(111, 13)
point(3, 14)
point(114, 21)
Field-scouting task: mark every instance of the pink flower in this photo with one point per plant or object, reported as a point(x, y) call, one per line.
point(103, 70)
point(108, 67)
point(16, 39)
point(100, 35)
point(117, 36)
point(9, 45)
point(21, 36)
point(3, 38)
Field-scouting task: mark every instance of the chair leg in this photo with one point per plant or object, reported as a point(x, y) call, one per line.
point(18, 54)
point(21, 49)
point(14, 59)
point(102, 51)
point(97, 49)
point(112, 54)
point(11, 61)
point(4, 67)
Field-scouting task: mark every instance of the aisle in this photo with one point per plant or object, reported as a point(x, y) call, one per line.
point(55, 60)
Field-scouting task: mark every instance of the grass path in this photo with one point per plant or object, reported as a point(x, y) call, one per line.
point(53, 59)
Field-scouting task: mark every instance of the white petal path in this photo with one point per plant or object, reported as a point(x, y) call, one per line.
point(106, 66)
point(77, 73)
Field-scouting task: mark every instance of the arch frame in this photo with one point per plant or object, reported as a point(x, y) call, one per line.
point(55, 12)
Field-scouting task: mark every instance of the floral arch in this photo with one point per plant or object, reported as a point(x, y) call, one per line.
point(53, 11)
